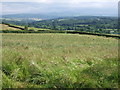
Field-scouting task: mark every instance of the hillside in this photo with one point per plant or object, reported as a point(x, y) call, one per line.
point(11, 27)
point(45, 58)
point(59, 61)
point(93, 24)
point(6, 27)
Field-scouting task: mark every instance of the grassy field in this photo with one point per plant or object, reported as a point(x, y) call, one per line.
point(59, 61)
point(6, 27)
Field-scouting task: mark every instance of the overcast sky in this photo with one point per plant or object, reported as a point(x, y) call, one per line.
point(71, 7)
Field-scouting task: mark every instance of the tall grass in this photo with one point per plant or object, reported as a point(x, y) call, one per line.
point(59, 61)
point(0, 61)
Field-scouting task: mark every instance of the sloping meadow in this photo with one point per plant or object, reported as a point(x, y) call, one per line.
point(59, 61)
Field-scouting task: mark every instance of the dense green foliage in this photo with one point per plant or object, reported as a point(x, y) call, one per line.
point(59, 61)
point(10, 28)
point(94, 24)
point(86, 24)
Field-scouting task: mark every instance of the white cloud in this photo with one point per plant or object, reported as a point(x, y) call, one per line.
point(42, 1)
point(39, 6)
point(14, 8)
point(72, 1)
point(94, 5)
point(94, 0)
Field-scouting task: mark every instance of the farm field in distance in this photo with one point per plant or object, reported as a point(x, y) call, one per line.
point(5, 27)
point(59, 61)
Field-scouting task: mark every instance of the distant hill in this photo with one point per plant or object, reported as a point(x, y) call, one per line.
point(24, 16)
point(94, 24)
point(23, 19)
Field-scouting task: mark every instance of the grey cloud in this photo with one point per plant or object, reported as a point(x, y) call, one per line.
point(81, 8)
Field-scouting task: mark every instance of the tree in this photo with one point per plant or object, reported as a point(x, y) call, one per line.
point(26, 27)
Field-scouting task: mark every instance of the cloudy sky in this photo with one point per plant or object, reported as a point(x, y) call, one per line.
point(70, 7)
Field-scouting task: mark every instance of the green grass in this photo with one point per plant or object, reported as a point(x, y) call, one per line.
point(59, 61)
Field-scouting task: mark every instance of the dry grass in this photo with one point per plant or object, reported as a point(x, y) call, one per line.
point(6, 27)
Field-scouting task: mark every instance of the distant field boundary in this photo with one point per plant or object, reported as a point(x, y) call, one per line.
point(13, 26)
point(96, 34)
point(67, 32)
point(55, 31)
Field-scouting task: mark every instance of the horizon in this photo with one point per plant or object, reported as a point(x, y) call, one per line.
point(61, 16)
